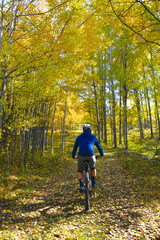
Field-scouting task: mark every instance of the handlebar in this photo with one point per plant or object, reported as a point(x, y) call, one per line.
point(97, 156)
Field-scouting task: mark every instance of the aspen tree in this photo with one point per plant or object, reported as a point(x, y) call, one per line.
point(5, 77)
point(64, 120)
point(113, 101)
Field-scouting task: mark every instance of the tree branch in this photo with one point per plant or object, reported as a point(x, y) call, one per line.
point(32, 28)
point(42, 13)
point(140, 35)
point(148, 10)
point(127, 9)
point(86, 19)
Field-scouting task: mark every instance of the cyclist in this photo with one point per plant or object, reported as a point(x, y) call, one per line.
point(86, 142)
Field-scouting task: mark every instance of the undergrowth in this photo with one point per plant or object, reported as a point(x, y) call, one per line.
point(43, 202)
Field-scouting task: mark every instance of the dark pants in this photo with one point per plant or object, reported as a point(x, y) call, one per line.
point(81, 164)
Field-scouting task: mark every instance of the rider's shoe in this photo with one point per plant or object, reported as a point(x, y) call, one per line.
point(94, 185)
point(81, 188)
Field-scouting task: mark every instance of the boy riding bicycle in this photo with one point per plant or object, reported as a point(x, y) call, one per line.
point(86, 142)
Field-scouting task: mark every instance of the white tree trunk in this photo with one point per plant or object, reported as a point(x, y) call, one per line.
point(113, 102)
point(1, 23)
point(4, 83)
point(64, 120)
point(97, 112)
point(53, 127)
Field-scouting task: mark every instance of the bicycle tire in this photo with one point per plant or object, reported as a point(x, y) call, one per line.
point(87, 193)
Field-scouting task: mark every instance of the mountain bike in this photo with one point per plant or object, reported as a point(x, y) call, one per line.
point(88, 185)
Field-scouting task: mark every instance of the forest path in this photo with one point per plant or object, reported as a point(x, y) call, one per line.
point(48, 205)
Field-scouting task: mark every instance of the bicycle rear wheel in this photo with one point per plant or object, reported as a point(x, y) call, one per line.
point(87, 192)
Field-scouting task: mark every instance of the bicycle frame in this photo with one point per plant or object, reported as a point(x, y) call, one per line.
point(88, 186)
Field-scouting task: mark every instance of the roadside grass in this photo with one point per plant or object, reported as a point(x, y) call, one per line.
point(44, 201)
point(147, 146)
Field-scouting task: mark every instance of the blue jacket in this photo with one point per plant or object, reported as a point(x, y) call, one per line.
point(86, 142)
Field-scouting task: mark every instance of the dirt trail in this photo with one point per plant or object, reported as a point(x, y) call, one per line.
point(125, 204)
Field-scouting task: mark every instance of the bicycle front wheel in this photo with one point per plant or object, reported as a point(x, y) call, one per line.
point(87, 193)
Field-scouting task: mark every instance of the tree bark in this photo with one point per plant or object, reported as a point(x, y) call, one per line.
point(5, 78)
point(1, 23)
point(125, 124)
point(125, 127)
point(120, 115)
point(64, 120)
point(44, 127)
point(52, 132)
point(147, 123)
point(23, 152)
point(97, 112)
point(102, 119)
point(139, 113)
point(150, 112)
point(155, 95)
point(47, 128)
point(105, 110)
point(113, 102)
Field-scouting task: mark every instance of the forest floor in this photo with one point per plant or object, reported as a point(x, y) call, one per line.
point(45, 202)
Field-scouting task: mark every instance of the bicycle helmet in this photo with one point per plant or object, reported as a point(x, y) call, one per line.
point(87, 127)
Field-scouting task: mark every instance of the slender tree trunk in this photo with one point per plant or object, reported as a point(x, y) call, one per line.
point(34, 134)
point(143, 113)
point(125, 130)
point(26, 144)
point(105, 110)
point(102, 124)
point(1, 23)
point(20, 141)
point(111, 118)
point(146, 101)
point(120, 115)
point(34, 140)
point(105, 123)
point(155, 95)
point(139, 113)
point(44, 127)
point(156, 134)
point(150, 113)
point(113, 102)
point(146, 108)
point(101, 94)
point(40, 130)
point(5, 78)
point(47, 129)
point(125, 124)
point(90, 111)
point(9, 158)
point(157, 113)
point(46, 138)
point(29, 138)
point(97, 113)
point(64, 120)
point(23, 152)
point(52, 132)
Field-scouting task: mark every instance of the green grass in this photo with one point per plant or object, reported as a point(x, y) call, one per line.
point(44, 202)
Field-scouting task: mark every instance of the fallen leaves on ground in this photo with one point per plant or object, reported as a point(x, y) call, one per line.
point(125, 203)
